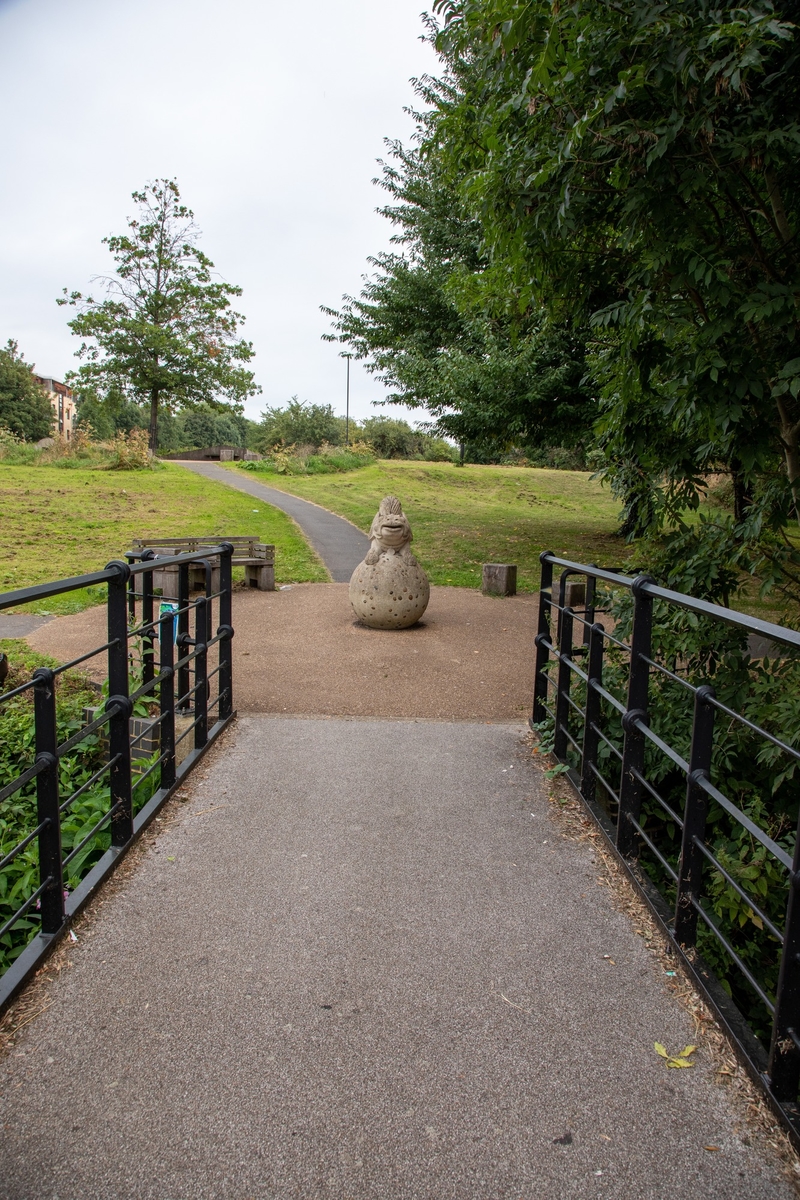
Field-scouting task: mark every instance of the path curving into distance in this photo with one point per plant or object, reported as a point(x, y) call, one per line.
point(340, 545)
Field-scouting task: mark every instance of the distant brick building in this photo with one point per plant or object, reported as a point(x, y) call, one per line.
point(62, 399)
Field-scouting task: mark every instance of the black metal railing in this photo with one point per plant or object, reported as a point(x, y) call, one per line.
point(129, 787)
point(672, 794)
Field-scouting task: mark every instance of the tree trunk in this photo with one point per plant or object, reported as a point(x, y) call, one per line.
point(778, 208)
point(790, 432)
point(154, 420)
point(792, 456)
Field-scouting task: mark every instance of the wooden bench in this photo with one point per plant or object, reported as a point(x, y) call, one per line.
point(257, 558)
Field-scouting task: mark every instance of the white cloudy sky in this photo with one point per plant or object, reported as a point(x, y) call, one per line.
point(270, 115)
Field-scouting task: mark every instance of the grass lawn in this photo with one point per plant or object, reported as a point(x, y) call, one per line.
point(58, 523)
point(465, 516)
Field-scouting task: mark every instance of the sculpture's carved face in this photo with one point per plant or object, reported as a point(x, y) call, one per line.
point(390, 527)
point(393, 530)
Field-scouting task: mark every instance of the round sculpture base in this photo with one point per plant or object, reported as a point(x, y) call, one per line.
point(391, 594)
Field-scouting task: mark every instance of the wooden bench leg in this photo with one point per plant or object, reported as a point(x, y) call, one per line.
point(262, 578)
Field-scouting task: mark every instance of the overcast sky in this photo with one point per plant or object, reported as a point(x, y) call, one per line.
point(270, 116)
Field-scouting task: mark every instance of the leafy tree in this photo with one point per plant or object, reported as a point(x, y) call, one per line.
point(492, 373)
point(24, 407)
point(95, 417)
point(166, 334)
point(391, 438)
point(300, 424)
point(199, 429)
point(635, 167)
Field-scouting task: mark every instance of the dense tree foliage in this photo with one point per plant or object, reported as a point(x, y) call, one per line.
point(201, 425)
point(300, 424)
point(24, 408)
point(491, 374)
point(166, 333)
point(634, 166)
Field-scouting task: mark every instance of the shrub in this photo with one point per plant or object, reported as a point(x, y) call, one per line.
point(130, 452)
point(14, 451)
point(302, 460)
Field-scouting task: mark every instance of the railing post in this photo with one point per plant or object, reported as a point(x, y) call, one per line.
point(148, 638)
point(591, 737)
point(564, 680)
point(690, 868)
point(120, 707)
point(51, 872)
point(784, 1056)
point(630, 792)
point(166, 697)
point(209, 602)
point(131, 594)
point(225, 631)
point(184, 677)
point(200, 674)
point(588, 616)
point(542, 637)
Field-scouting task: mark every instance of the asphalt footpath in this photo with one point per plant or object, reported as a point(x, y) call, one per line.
point(362, 961)
point(340, 545)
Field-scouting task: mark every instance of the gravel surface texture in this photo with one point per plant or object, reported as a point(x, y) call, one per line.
point(340, 545)
point(362, 962)
point(302, 651)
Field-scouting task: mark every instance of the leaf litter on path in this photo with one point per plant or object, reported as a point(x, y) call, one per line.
point(675, 1060)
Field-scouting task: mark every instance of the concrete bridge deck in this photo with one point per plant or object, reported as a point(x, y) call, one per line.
point(362, 961)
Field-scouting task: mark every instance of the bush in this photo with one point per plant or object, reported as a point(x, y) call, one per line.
point(15, 451)
point(299, 424)
point(130, 452)
point(438, 450)
point(302, 460)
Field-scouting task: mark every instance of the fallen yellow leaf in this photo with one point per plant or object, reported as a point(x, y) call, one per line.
point(686, 1051)
point(659, 1049)
point(679, 1062)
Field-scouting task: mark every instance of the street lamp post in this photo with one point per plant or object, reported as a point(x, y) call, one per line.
point(347, 404)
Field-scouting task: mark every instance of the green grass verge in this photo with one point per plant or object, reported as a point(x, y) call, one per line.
point(61, 523)
point(463, 517)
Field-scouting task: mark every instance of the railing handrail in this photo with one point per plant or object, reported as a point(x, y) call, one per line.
point(43, 591)
point(776, 633)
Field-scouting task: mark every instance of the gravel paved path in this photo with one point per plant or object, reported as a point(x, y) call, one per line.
point(19, 625)
point(362, 962)
point(340, 545)
point(301, 651)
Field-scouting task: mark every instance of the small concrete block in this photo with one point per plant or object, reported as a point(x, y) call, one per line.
point(499, 579)
point(575, 594)
point(262, 578)
point(197, 577)
point(166, 581)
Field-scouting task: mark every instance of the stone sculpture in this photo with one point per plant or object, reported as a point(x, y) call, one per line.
point(389, 589)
